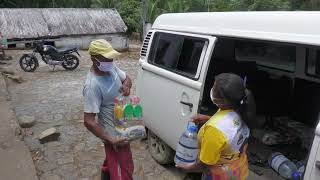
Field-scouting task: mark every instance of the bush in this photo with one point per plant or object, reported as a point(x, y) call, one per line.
point(130, 11)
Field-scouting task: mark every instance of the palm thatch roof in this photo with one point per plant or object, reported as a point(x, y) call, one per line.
point(26, 23)
point(54, 22)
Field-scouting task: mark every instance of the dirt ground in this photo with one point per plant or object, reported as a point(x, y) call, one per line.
point(54, 99)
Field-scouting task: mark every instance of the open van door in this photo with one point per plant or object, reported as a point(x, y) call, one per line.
point(313, 165)
point(173, 67)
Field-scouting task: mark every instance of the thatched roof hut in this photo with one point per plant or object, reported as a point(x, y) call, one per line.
point(54, 22)
point(26, 23)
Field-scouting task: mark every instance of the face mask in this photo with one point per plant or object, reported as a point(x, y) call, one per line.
point(214, 100)
point(105, 66)
point(211, 95)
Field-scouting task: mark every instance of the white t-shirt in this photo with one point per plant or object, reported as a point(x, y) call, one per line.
point(99, 93)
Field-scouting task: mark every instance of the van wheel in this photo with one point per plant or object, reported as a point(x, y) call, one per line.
point(159, 150)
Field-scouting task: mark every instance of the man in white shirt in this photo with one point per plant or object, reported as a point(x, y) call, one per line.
point(105, 81)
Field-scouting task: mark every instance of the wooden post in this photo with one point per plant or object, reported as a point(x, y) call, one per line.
point(3, 43)
point(2, 55)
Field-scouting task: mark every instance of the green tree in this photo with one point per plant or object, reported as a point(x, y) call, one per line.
point(306, 4)
point(198, 5)
point(221, 5)
point(8, 4)
point(261, 5)
point(104, 3)
point(154, 10)
point(44, 3)
point(177, 6)
point(130, 11)
point(269, 5)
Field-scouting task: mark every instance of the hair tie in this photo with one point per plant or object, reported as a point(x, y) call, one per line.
point(245, 81)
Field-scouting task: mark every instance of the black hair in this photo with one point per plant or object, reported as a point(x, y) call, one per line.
point(233, 90)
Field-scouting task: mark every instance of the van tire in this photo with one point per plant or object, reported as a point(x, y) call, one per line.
point(159, 150)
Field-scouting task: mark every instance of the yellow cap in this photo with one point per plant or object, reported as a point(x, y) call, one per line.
point(103, 48)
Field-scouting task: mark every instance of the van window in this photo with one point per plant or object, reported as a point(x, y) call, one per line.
point(267, 54)
point(177, 53)
point(313, 66)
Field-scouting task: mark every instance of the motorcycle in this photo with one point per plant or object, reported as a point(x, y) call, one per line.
point(51, 56)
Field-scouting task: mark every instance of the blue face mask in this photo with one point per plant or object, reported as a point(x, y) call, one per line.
point(104, 66)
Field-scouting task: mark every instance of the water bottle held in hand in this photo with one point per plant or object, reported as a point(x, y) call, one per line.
point(187, 149)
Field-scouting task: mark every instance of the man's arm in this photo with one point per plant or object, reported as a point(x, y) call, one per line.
point(93, 126)
point(126, 82)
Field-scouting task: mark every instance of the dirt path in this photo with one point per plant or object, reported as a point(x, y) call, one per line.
point(54, 99)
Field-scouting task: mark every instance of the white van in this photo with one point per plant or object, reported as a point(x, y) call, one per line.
point(278, 53)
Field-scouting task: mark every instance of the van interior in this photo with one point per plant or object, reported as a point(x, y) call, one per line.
point(287, 103)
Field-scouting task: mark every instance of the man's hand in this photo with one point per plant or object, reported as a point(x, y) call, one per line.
point(125, 90)
point(119, 141)
point(94, 127)
point(126, 86)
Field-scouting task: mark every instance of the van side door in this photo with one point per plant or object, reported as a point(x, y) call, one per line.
point(170, 81)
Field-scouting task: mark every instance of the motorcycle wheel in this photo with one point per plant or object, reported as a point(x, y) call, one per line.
point(28, 63)
point(71, 62)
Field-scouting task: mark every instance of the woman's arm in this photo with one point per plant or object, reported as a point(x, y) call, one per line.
point(200, 119)
point(212, 143)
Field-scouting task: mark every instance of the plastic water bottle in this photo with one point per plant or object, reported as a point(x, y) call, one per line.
point(137, 109)
point(301, 167)
point(127, 110)
point(187, 149)
point(118, 108)
point(282, 165)
point(298, 175)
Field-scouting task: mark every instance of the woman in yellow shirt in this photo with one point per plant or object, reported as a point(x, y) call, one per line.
point(223, 137)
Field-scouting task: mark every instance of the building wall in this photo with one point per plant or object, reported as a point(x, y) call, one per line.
point(119, 41)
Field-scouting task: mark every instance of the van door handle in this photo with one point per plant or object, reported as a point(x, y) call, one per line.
point(318, 164)
point(187, 104)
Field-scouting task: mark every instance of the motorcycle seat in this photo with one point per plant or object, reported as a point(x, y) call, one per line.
point(66, 50)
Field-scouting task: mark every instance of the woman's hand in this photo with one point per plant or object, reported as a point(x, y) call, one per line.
point(197, 166)
point(200, 119)
point(188, 167)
